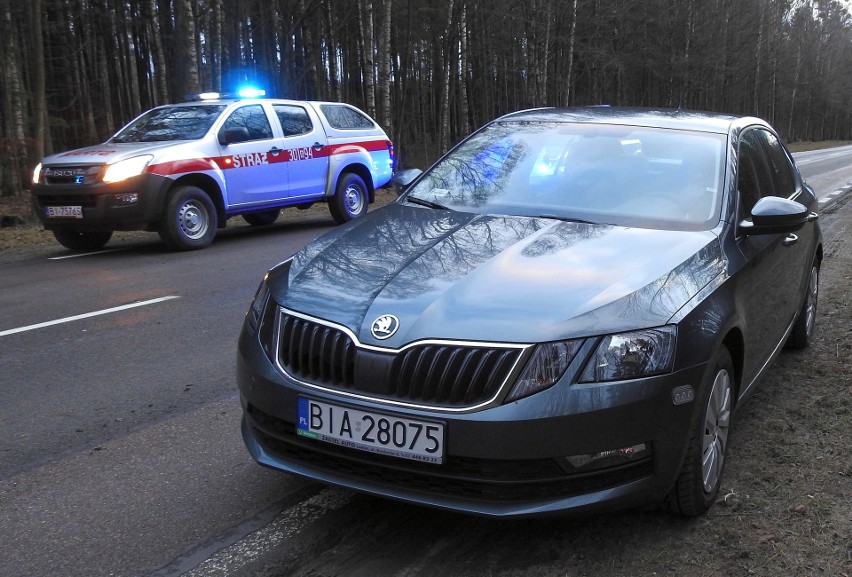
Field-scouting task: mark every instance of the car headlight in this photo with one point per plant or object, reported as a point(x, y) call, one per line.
point(632, 355)
point(37, 174)
point(545, 367)
point(258, 304)
point(127, 168)
point(261, 319)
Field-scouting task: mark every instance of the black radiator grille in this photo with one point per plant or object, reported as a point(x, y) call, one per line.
point(446, 375)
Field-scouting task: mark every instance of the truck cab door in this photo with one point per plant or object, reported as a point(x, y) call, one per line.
point(256, 168)
point(305, 150)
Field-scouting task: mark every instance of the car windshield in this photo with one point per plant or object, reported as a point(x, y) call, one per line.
point(625, 175)
point(170, 123)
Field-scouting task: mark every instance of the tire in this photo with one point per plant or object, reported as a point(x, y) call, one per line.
point(82, 241)
point(701, 474)
point(350, 199)
point(803, 330)
point(189, 219)
point(263, 218)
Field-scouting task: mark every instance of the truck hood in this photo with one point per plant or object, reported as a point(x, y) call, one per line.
point(452, 275)
point(106, 153)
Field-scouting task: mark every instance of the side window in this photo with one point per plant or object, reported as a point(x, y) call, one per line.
point(343, 117)
point(753, 179)
point(779, 164)
point(252, 118)
point(294, 119)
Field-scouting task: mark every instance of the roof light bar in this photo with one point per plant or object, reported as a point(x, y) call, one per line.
point(251, 93)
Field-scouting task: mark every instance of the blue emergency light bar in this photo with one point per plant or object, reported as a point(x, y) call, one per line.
point(241, 93)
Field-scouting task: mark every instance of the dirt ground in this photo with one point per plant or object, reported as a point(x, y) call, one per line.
point(785, 508)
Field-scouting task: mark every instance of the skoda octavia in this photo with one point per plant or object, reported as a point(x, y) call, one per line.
point(562, 314)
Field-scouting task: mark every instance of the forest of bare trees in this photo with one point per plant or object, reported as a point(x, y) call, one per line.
point(73, 71)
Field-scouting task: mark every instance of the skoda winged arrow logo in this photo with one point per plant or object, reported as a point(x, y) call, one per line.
point(384, 327)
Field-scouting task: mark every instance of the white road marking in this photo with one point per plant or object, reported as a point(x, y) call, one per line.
point(87, 315)
point(78, 255)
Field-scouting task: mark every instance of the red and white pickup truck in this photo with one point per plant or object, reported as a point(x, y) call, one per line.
point(184, 169)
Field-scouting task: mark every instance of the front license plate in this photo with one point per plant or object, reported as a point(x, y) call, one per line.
point(373, 432)
point(64, 212)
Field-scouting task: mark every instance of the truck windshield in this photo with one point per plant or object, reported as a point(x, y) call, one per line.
point(170, 123)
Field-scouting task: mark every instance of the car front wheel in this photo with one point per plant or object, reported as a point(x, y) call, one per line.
point(803, 330)
point(701, 474)
point(82, 241)
point(350, 199)
point(189, 221)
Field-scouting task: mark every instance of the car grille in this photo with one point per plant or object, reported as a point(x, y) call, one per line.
point(489, 480)
point(443, 375)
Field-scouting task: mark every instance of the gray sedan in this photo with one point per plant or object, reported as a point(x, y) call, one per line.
point(562, 314)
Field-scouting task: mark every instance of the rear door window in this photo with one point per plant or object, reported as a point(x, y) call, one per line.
point(294, 119)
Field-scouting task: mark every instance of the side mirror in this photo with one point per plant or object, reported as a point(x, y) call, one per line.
point(773, 215)
point(403, 179)
point(234, 135)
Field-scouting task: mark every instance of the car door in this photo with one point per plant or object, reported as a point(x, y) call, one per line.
point(772, 270)
point(257, 172)
point(305, 151)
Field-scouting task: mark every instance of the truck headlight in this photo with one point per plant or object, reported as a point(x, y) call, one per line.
point(127, 168)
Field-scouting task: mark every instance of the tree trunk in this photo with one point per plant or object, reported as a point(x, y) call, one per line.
point(571, 40)
point(365, 17)
point(158, 56)
point(445, 88)
point(13, 109)
point(186, 57)
point(40, 126)
point(464, 107)
point(384, 68)
point(333, 71)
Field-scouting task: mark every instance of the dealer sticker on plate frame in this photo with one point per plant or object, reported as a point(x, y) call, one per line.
point(370, 431)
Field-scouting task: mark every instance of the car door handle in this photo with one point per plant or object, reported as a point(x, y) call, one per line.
point(791, 239)
point(275, 151)
point(318, 146)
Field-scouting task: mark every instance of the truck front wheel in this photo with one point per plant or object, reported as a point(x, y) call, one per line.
point(350, 199)
point(189, 220)
point(82, 241)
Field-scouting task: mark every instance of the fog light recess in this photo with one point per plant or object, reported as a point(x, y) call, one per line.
point(610, 458)
point(127, 198)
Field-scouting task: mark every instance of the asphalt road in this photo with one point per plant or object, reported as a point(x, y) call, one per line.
point(120, 451)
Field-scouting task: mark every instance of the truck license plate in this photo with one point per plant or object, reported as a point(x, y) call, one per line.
point(64, 212)
point(369, 431)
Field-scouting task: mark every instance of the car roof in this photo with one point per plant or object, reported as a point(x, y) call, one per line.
point(650, 117)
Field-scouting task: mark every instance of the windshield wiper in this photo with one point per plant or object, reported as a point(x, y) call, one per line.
point(426, 203)
point(566, 218)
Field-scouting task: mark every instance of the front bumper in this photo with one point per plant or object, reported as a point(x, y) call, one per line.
point(104, 206)
point(503, 461)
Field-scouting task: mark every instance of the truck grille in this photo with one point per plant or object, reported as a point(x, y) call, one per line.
point(444, 375)
point(84, 200)
point(70, 175)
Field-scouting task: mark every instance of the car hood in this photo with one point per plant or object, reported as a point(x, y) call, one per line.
point(106, 153)
point(452, 275)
